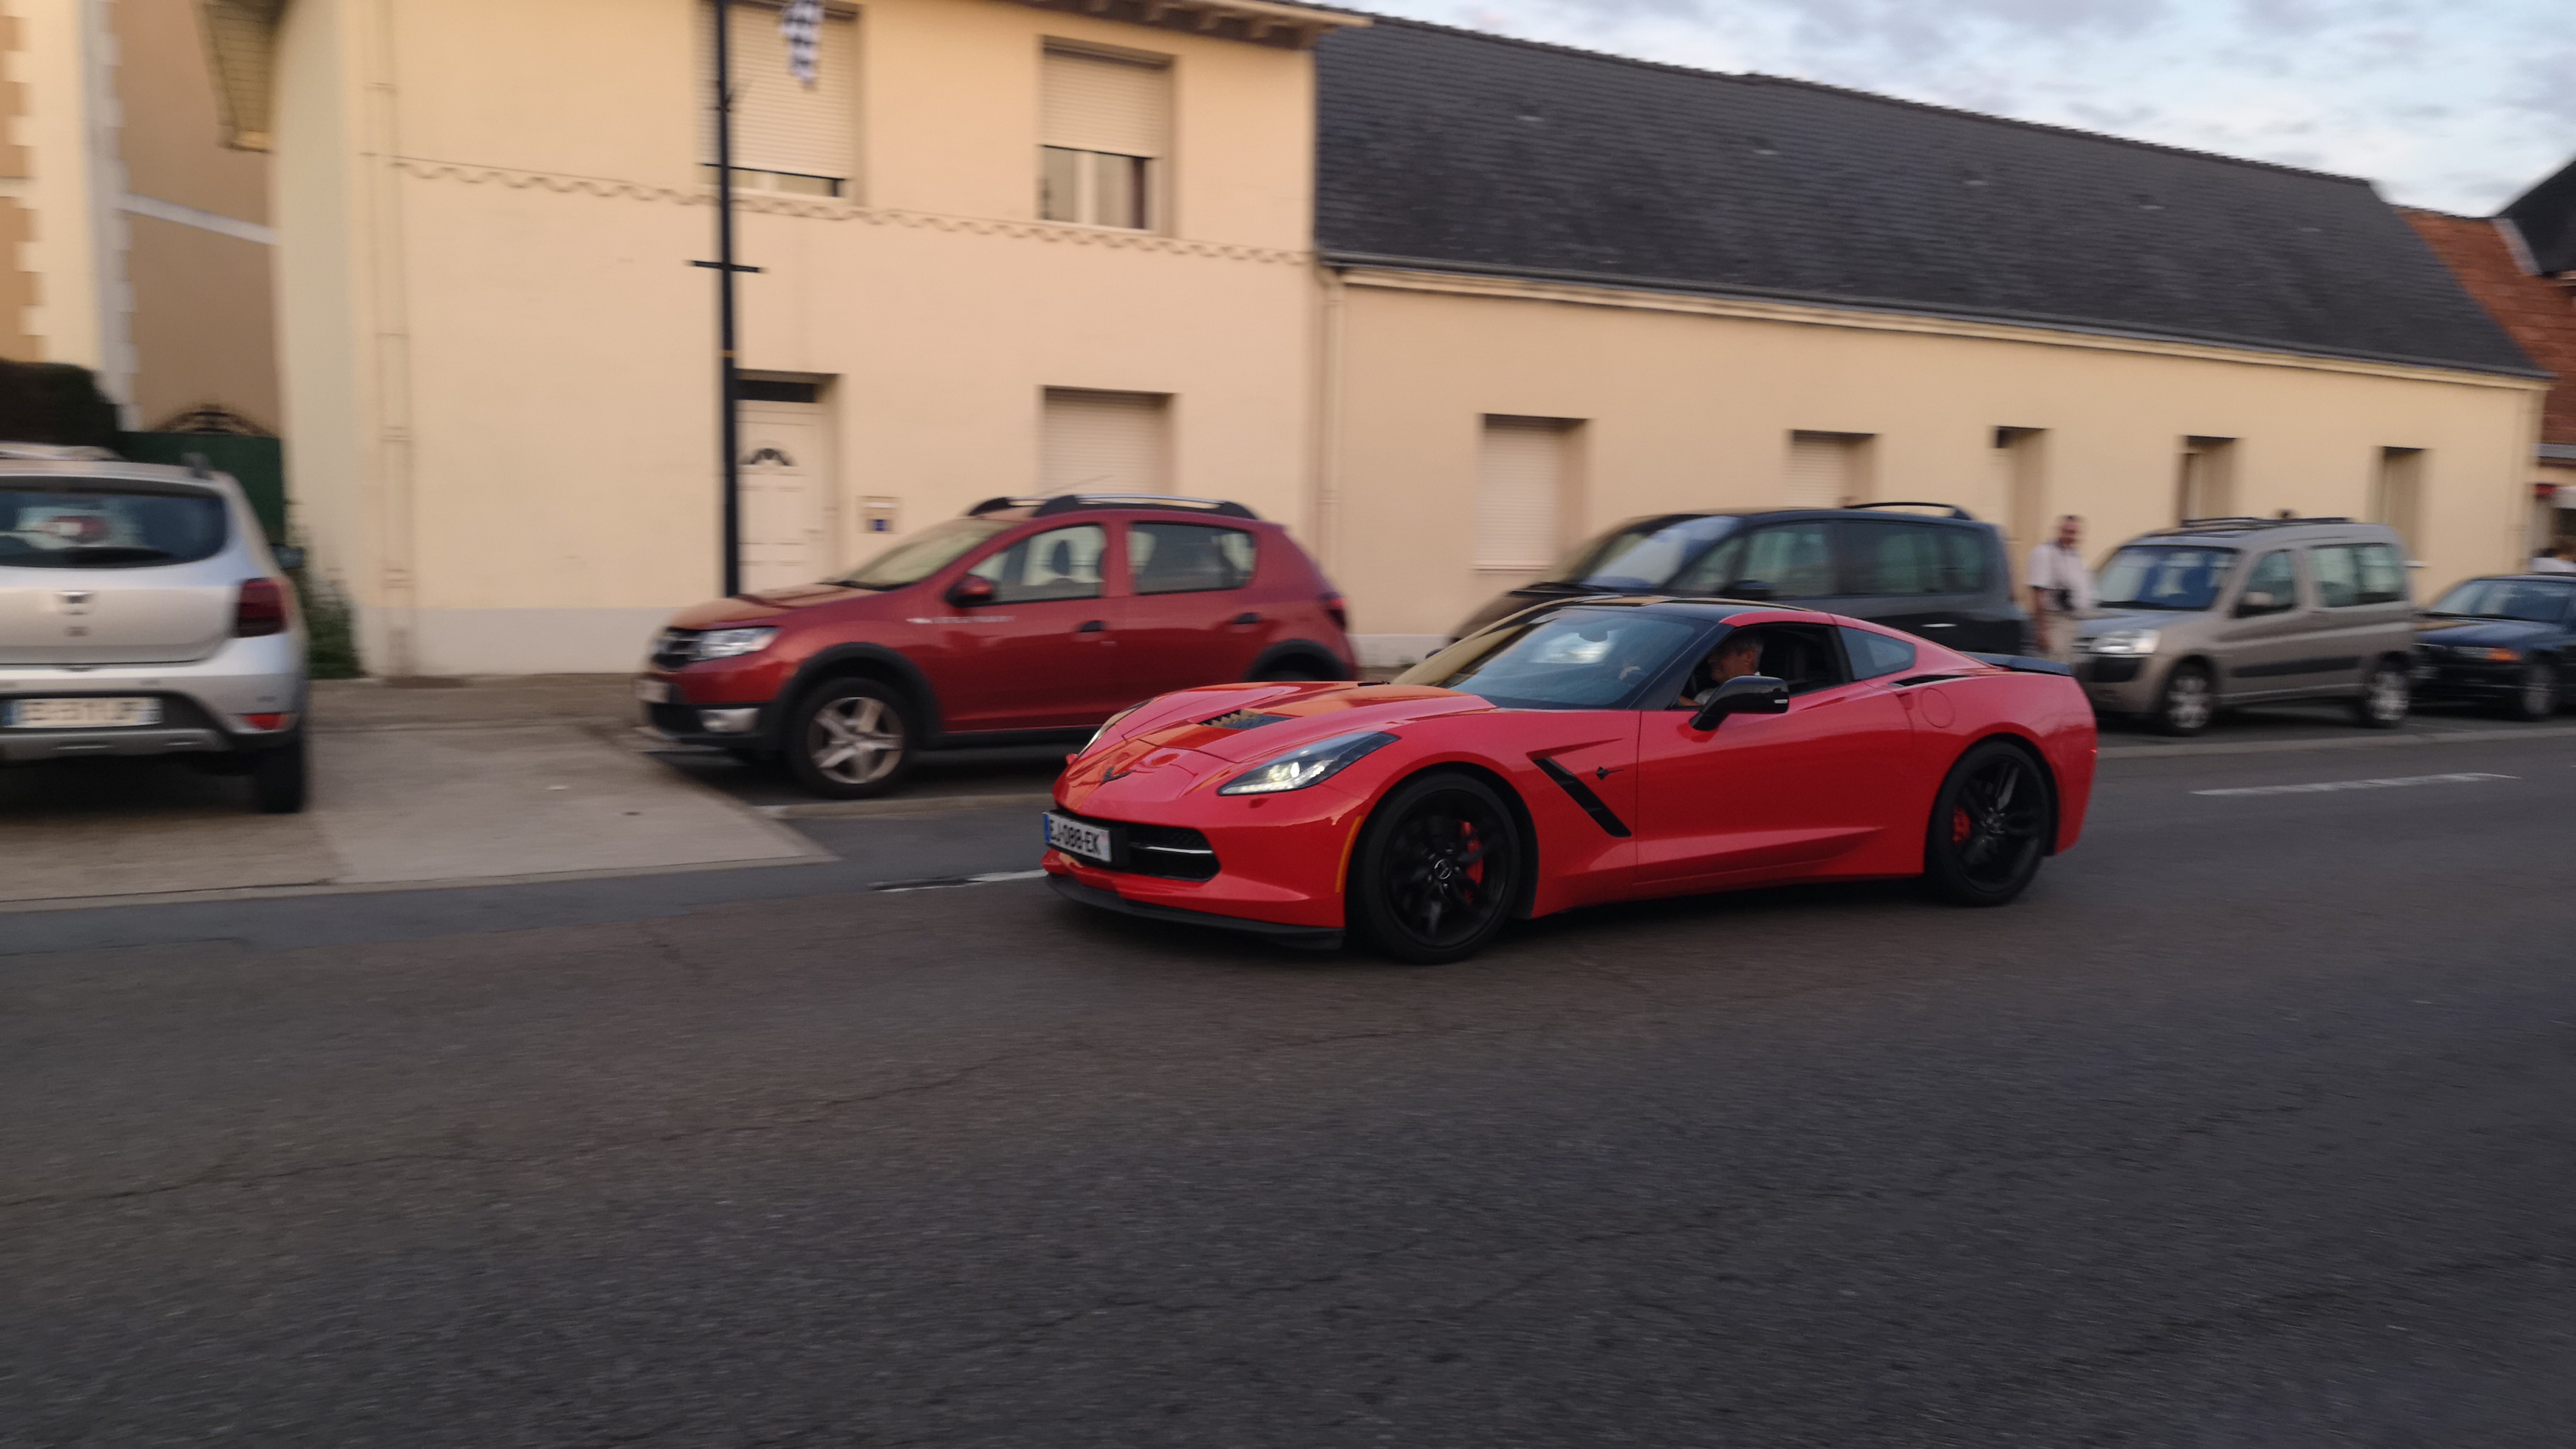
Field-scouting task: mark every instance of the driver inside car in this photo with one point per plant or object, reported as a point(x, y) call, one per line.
point(1737, 655)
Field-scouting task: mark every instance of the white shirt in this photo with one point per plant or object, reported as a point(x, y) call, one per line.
point(2055, 566)
point(2551, 566)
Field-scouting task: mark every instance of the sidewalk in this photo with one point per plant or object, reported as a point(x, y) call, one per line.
point(498, 779)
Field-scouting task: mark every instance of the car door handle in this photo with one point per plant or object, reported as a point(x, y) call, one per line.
point(1091, 626)
point(1246, 617)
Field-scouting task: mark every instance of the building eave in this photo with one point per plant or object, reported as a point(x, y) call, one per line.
point(1261, 22)
point(1917, 311)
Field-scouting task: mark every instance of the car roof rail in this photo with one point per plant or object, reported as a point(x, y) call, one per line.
point(996, 505)
point(1071, 502)
point(2232, 525)
point(1952, 510)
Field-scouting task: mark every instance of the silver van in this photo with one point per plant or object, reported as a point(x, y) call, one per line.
point(142, 613)
point(2228, 611)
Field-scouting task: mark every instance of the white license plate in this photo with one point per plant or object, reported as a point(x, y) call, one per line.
point(653, 691)
point(1075, 838)
point(83, 714)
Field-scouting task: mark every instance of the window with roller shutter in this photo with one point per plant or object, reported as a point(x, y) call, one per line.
point(1524, 476)
point(1825, 469)
point(787, 136)
point(1104, 442)
point(1104, 128)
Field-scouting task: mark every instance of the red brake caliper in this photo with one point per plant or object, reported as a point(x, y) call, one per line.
point(1960, 826)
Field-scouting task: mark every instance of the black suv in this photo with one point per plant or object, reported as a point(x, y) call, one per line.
point(1942, 575)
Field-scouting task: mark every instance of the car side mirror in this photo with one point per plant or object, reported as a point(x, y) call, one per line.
point(1744, 694)
point(970, 591)
point(289, 556)
point(1751, 591)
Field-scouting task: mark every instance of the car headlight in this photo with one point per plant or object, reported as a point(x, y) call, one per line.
point(2123, 641)
point(2485, 655)
point(726, 643)
point(1306, 765)
point(1107, 724)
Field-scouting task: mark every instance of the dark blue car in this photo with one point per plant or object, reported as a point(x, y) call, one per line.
point(2507, 641)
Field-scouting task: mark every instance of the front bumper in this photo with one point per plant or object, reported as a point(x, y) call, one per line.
point(2447, 680)
point(2119, 683)
point(1321, 938)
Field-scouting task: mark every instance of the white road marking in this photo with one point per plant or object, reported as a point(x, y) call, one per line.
point(947, 882)
point(2465, 777)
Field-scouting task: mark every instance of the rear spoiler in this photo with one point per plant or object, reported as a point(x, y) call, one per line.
point(2024, 664)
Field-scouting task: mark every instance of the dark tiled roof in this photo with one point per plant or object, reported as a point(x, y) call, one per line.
point(2546, 217)
point(1452, 149)
point(2538, 315)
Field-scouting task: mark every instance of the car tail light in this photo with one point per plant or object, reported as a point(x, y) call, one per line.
point(261, 608)
point(268, 721)
point(1339, 609)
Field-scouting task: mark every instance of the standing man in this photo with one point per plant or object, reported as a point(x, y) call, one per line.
point(2552, 560)
point(2061, 590)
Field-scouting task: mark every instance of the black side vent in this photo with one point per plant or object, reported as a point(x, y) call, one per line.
point(1243, 719)
point(1593, 805)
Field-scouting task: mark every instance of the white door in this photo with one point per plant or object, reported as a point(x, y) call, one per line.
point(786, 470)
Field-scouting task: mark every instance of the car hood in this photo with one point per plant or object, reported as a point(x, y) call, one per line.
point(1239, 724)
point(763, 606)
point(2481, 631)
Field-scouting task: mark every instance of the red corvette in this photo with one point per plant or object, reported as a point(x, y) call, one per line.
point(1602, 750)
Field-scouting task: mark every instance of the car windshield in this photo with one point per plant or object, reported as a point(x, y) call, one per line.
point(2165, 577)
point(922, 555)
point(62, 523)
point(1580, 560)
point(1650, 561)
point(2538, 603)
point(1578, 659)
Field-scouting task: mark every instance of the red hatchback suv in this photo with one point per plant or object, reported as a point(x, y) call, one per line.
point(1023, 619)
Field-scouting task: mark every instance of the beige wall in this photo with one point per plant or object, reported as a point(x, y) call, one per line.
point(503, 367)
point(500, 364)
point(202, 322)
point(169, 134)
point(1690, 404)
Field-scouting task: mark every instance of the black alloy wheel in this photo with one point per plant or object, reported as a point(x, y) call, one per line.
point(279, 778)
point(2188, 702)
point(850, 739)
point(2385, 697)
point(1438, 872)
point(1990, 827)
point(2535, 695)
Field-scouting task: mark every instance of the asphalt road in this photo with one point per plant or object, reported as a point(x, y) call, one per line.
point(2248, 1127)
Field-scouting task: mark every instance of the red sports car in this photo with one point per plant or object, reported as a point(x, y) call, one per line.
point(1603, 750)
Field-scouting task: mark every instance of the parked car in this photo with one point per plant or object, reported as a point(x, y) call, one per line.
point(1023, 620)
point(1587, 751)
point(1943, 577)
point(2507, 641)
point(2228, 611)
point(143, 613)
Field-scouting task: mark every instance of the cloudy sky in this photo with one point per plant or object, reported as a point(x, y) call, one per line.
point(2454, 104)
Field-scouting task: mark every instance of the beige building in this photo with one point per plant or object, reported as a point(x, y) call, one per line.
point(140, 245)
point(1445, 302)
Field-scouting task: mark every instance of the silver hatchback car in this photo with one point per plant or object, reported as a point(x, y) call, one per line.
point(142, 613)
point(2228, 611)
